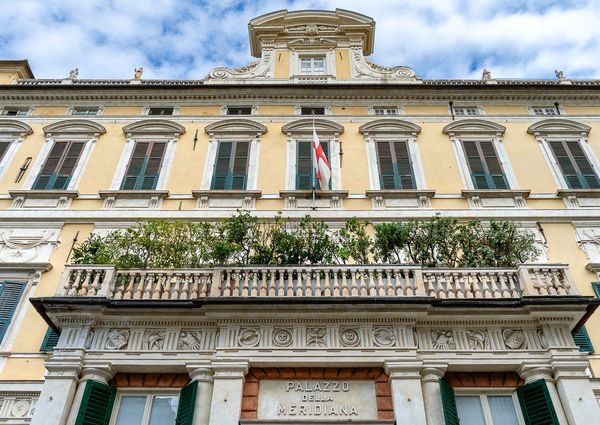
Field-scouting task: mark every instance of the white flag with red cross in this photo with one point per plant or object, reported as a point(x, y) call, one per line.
point(322, 168)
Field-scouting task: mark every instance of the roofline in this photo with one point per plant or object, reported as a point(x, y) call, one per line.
point(18, 63)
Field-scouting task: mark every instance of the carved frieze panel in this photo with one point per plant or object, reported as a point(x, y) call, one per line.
point(17, 407)
point(28, 245)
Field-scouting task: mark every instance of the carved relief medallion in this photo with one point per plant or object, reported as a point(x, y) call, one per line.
point(443, 340)
point(477, 339)
point(249, 337)
point(20, 408)
point(349, 337)
point(117, 339)
point(514, 339)
point(154, 340)
point(383, 336)
point(189, 340)
point(282, 337)
point(315, 337)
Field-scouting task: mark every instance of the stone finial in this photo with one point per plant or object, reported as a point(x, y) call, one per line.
point(486, 75)
point(559, 74)
point(73, 74)
point(138, 73)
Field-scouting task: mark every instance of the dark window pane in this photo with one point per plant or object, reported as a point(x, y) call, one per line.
point(310, 110)
point(239, 110)
point(161, 111)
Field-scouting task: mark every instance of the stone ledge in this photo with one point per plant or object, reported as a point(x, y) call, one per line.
point(35, 198)
point(133, 198)
point(495, 193)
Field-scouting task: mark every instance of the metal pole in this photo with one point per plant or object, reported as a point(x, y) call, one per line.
point(314, 165)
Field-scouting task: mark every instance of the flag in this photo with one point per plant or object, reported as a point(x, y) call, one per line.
point(322, 168)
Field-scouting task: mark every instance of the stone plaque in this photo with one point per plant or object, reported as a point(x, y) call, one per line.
point(316, 399)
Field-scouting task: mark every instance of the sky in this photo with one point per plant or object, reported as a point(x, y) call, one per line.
point(185, 39)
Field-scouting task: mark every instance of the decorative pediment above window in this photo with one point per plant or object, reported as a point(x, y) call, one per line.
point(474, 126)
point(305, 126)
point(558, 126)
point(82, 127)
point(241, 127)
point(389, 126)
point(14, 128)
point(154, 127)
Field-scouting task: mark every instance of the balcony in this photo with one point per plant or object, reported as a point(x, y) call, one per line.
point(328, 282)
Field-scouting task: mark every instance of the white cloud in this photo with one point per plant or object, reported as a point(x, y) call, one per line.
point(185, 39)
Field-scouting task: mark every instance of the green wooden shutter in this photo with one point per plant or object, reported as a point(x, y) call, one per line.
point(304, 167)
point(144, 166)
point(582, 340)
point(50, 340)
point(96, 404)
point(596, 286)
point(574, 164)
point(585, 170)
point(485, 167)
point(494, 168)
point(221, 174)
point(406, 179)
point(395, 168)
point(536, 404)
point(10, 295)
point(239, 167)
point(448, 403)
point(387, 177)
point(58, 169)
point(187, 403)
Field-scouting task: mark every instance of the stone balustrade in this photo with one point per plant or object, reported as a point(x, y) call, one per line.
point(327, 281)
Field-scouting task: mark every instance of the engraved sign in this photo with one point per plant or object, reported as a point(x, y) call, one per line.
point(316, 399)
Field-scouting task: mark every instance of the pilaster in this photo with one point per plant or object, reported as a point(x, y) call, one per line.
point(576, 392)
point(101, 373)
point(535, 372)
point(432, 398)
point(203, 374)
point(226, 404)
point(407, 395)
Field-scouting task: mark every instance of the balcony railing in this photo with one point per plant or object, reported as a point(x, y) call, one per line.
point(335, 281)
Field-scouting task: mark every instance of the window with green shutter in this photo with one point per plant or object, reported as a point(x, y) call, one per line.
point(50, 340)
point(187, 403)
point(582, 340)
point(574, 164)
point(10, 295)
point(96, 404)
point(57, 171)
point(484, 165)
point(536, 404)
point(448, 403)
point(144, 166)
point(304, 164)
point(231, 166)
point(395, 167)
point(596, 286)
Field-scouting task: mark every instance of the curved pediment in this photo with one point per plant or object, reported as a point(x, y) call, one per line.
point(14, 128)
point(236, 126)
point(154, 126)
point(76, 126)
point(389, 126)
point(306, 126)
point(558, 126)
point(474, 126)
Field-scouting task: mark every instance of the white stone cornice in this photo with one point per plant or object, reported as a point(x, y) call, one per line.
point(230, 369)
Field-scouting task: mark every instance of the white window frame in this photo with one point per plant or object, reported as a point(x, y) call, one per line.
point(373, 110)
point(253, 111)
point(483, 393)
point(148, 392)
point(312, 69)
point(532, 112)
point(329, 60)
point(413, 151)
point(73, 108)
point(4, 110)
point(291, 169)
point(298, 110)
point(146, 110)
point(51, 139)
point(480, 110)
point(13, 147)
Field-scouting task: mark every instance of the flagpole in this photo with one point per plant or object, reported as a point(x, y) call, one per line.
point(314, 166)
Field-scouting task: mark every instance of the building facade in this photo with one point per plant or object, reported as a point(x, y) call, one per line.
point(329, 344)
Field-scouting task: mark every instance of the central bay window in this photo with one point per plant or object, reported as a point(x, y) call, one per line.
point(144, 166)
point(484, 165)
point(395, 168)
point(231, 166)
point(305, 161)
point(314, 65)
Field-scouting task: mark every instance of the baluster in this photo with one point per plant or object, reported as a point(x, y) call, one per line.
point(494, 287)
point(390, 289)
point(429, 280)
point(559, 285)
point(147, 287)
point(129, 290)
point(272, 283)
point(345, 289)
point(75, 286)
point(502, 280)
point(263, 284)
point(139, 287)
point(235, 285)
point(452, 282)
point(300, 282)
point(281, 283)
point(185, 287)
point(442, 284)
point(543, 283)
point(83, 290)
point(565, 286)
point(175, 280)
point(354, 287)
point(254, 288)
point(318, 288)
point(227, 289)
point(469, 286)
point(197, 289)
point(336, 283)
point(95, 283)
point(376, 290)
point(327, 291)
point(308, 282)
point(368, 283)
point(289, 290)
point(403, 289)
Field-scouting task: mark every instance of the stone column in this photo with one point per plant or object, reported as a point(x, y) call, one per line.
point(576, 392)
point(407, 396)
point(204, 376)
point(228, 386)
point(57, 393)
point(101, 373)
point(531, 373)
point(430, 380)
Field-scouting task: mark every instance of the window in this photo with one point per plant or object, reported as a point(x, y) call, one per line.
point(385, 110)
point(50, 340)
point(4, 145)
point(144, 166)
point(239, 110)
point(10, 295)
point(395, 168)
point(305, 164)
point(466, 111)
point(582, 340)
point(484, 165)
point(142, 409)
point(312, 65)
point(85, 110)
point(15, 111)
point(57, 171)
point(544, 111)
point(487, 409)
point(576, 169)
point(312, 110)
point(231, 166)
point(160, 111)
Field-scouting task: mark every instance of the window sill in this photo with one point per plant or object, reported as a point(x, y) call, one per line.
point(580, 198)
point(302, 199)
point(34, 198)
point(400, 198)
point(496, 198)
point(226, 198)
point(312, 78)
point(133, 198)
